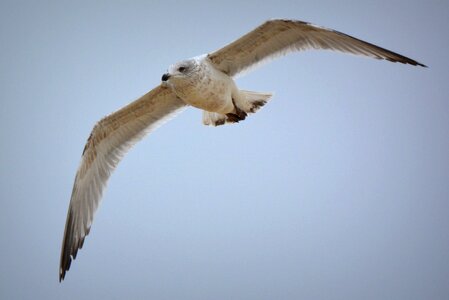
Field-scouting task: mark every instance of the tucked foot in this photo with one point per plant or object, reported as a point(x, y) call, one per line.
point(253, 101)
point(237, 116)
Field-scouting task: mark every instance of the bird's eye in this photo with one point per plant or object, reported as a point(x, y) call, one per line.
point(181, 69)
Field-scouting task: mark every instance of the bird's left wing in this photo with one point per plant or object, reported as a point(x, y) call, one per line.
point(278, 37)
point(110, 139)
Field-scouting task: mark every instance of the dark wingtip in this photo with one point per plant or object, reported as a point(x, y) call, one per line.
point(422, 65)
point(414, 63)
point(403, 60)
point(68, 251)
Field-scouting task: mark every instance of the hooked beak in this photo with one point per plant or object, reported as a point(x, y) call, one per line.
point(165, 77)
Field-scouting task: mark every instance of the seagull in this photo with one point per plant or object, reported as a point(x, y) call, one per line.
point(205, 82)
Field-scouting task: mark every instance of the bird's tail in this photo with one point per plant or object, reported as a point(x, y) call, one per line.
point(252, 101)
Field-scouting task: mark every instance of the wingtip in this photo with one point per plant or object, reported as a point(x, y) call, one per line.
point(415, 63)
point(422, 65)
point(63, 270)
point(64, 267)
point(418, 64)
point(405, 60)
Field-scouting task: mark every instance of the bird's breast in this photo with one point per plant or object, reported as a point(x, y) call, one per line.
point(208, 91)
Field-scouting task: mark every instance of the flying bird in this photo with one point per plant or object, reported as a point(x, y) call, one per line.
point(205, 82)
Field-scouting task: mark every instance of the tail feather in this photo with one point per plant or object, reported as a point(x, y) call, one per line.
point(253, 101)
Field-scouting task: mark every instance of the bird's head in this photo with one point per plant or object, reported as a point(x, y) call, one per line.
point(180, 72)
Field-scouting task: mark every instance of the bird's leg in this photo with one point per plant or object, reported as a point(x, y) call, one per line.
point(237, 116)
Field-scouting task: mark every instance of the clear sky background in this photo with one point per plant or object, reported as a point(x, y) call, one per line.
point(338, 189)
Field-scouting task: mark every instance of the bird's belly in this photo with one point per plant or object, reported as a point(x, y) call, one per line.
point(209, 95)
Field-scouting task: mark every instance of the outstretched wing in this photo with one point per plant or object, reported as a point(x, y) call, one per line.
point(110, 139)
point(279, 37)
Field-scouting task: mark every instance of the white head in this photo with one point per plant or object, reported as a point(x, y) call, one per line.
point(180, 73)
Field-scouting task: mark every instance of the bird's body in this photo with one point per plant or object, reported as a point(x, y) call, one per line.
point(205, 82)
point(205, 87)
point(199, 83)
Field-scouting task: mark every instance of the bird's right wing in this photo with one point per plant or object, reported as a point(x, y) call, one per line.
point(278, 37)
point(110, 139)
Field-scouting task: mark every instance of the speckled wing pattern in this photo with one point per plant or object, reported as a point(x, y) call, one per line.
point(110, 139)
point(279, 37)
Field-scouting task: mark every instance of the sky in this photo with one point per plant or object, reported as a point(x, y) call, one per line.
point(336, 189)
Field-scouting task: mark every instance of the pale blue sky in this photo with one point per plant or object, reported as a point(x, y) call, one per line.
point(338, 189)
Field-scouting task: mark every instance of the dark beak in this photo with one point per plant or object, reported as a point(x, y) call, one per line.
point(165, 77)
